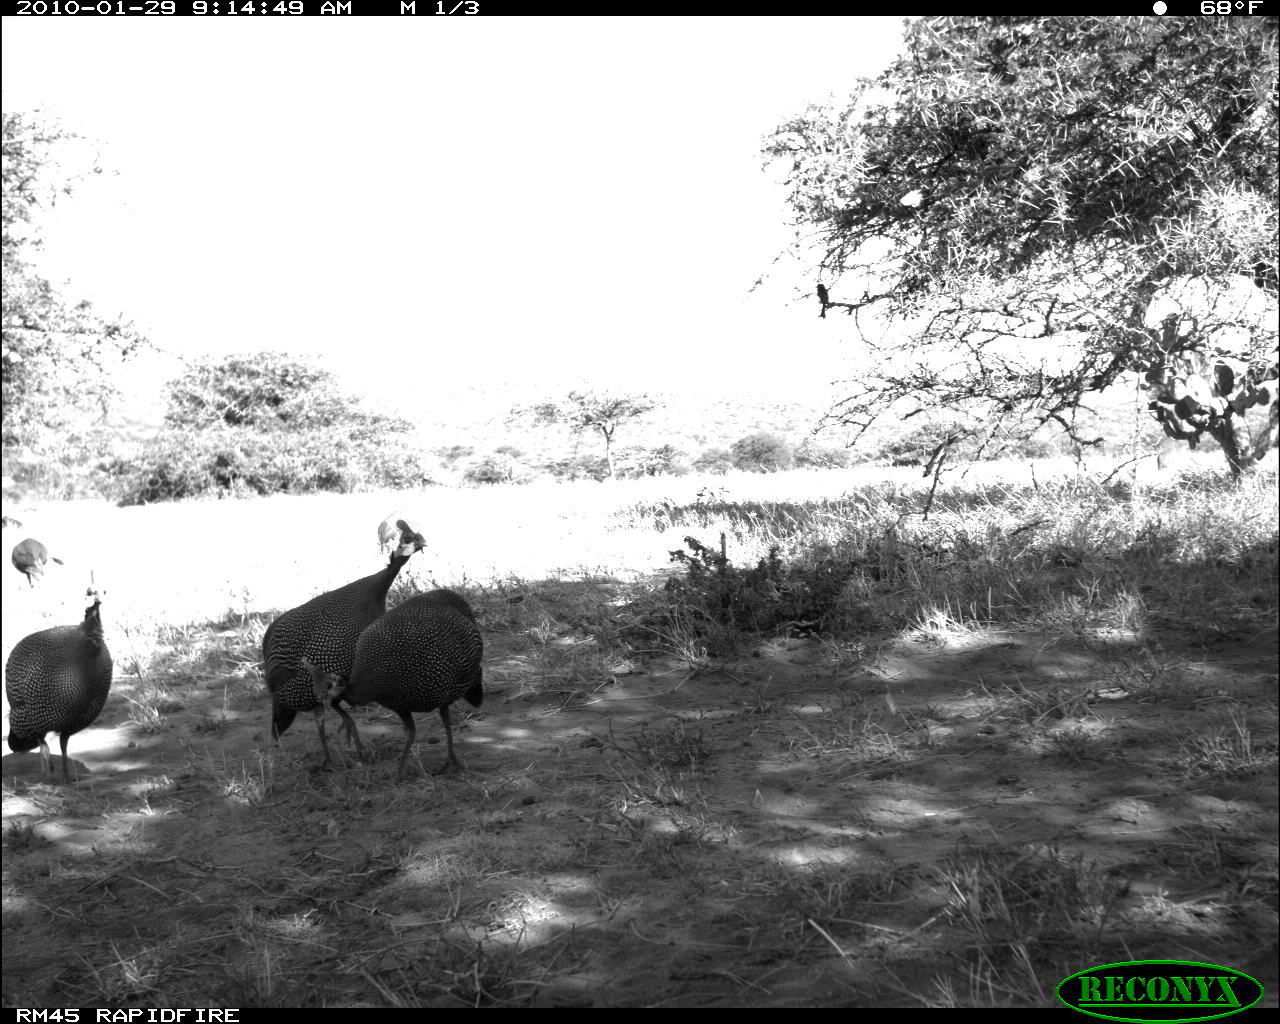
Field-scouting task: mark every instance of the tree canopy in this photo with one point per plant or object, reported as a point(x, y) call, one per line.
point(1005, 209)
point(56, 355)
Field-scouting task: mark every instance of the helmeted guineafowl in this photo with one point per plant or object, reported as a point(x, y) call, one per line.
point(421, 656)
point(29, 558)
point(324, 631)
point(57, 681)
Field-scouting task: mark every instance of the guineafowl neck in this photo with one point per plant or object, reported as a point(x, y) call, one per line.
point(389, 574)
point(92, 625)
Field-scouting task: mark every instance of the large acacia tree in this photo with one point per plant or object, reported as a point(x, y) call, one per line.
point(1020, 210)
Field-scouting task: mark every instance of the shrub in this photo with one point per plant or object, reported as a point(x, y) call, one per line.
point(68, 465)
point(454, 453)
point(497, 468)
point(714, 460)
point(821, 456)
point(915, 447)
point(762, 452)
point(235, 461)
point(726, 600)
point(1035, 447)
point(581, 467)
point(665, 460)
point(263, 389)
point(265, 424)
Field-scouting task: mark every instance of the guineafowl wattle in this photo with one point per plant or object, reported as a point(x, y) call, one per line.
point(324, 632)
point(421, 656)
point(29, 558)
point(57, 680)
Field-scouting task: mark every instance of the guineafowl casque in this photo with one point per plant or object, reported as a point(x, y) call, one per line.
point(421, 656)
point(30, 557)
point(57, 680)
point(389, 532)
point(324, 631)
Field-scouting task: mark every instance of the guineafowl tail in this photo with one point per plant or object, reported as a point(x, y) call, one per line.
point(20, 744)
point(281, 719)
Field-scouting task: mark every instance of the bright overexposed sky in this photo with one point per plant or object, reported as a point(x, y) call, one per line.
point(426, 201)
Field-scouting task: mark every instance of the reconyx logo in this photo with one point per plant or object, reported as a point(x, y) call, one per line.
point(1163, 990)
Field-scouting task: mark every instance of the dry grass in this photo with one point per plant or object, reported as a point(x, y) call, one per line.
point(1035, 730)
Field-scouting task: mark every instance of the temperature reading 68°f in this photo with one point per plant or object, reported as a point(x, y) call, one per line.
point(1231, 6)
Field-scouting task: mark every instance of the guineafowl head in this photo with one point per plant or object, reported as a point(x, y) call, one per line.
point(20, 744)
point(410, 539)
point(93, 600)
point(327, 686)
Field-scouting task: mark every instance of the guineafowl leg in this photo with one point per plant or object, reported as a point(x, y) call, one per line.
point(66, 777)
point(46, 762)
point(349, 728)
point(328, 761)
point(410, 731)
point(451, 764)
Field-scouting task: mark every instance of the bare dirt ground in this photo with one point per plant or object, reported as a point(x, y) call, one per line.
point(892, 822)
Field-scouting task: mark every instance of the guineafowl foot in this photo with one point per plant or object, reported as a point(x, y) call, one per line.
point(450, 767)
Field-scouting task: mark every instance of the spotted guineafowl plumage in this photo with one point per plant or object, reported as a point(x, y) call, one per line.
point(57, 680)
point(324, 632)
point(30, 557)
point(421, 656)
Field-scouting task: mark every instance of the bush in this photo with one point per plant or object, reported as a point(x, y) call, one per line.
point(453, 454)
point(237, 461)
point(266, 424)
point(726, 600)
point(820, 456)
point(497, 468)
point(583, 467)
point(69, 465)
point(665, 460)
point(714, 460)
point(762, 452)
point(915, 447)
point(1035, 447)
point(263, 389)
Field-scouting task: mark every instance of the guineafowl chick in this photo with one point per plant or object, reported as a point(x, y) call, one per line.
point(30, 557)
point(324, 631)
point(57, 680)
point(421, 656)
